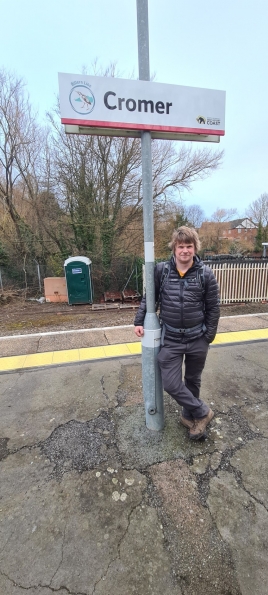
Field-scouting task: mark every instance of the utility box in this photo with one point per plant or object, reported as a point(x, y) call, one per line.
point(55, 289)
point(78, 280)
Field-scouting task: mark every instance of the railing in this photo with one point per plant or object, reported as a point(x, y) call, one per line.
point(241, 281)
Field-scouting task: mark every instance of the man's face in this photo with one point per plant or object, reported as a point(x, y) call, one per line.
point(184, 253)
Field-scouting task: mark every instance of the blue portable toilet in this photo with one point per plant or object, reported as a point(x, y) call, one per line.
point(78, 280)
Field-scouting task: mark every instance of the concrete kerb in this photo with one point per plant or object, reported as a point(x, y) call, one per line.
point(115, 357)
point(56, 341)
point(93, 503)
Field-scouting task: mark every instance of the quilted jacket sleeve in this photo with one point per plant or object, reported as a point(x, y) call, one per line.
point(139, 318)
point(212, 304)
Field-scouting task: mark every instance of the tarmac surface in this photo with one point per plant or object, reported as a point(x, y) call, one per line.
point(94, 503)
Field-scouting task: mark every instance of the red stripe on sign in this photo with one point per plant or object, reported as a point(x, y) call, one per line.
point(118, 125)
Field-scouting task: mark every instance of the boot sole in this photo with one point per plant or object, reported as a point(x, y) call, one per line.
point(199, 437)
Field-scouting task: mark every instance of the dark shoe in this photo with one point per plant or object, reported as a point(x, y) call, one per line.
point(187, 423)
point(199, 427)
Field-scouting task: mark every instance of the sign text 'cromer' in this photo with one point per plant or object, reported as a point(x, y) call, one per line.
point(160, 107)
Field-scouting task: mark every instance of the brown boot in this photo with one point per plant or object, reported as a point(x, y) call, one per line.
point(187, 423)
point(199, 427)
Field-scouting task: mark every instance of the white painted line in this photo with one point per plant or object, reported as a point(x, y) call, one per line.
point(82, 330)
point(105, 328)
point(245, 315)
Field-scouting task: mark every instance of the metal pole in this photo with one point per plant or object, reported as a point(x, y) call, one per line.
point(152, 383)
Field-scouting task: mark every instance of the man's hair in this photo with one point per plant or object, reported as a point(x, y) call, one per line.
point(185, 235)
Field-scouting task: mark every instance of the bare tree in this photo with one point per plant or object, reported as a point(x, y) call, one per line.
point(211, 232)
point(19, 152)
point(177, 167)
point(82, 194)
point(222, 215)
point(258, 210)
point(100, 186)
point(195, 215)
point(31, 220)
point(211, 235)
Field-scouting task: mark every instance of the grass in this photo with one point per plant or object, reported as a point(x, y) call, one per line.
point(40, 322)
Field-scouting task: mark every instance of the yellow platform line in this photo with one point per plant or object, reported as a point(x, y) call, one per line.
point(35, 360)
point(241, 336)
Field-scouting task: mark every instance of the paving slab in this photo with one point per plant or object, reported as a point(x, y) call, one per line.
point(239, 323)
point(18, 346)
point(252, 461)
point(243, 525)
point(117, 335)
point(72, 341)
point(257, 417)
point(93, 503)
point(35, 402)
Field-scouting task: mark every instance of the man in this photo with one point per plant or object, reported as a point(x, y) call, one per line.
point(189, 312)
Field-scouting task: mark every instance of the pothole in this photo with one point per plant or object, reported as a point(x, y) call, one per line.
point(81, 446)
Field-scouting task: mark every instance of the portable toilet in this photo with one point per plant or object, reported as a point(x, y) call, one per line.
point(78, 280)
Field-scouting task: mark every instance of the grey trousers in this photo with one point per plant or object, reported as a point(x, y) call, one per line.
point(186, 393)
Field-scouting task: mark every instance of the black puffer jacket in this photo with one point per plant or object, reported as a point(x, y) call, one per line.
point(184, 303)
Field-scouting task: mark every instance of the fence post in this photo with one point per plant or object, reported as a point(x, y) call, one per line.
point(39, 277)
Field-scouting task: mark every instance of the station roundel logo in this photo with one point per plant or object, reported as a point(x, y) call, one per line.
point(82, 99)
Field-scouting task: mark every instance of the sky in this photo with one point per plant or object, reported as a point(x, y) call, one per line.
point(216, 44)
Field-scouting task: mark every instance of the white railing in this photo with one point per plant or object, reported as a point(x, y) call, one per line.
point(240, 282)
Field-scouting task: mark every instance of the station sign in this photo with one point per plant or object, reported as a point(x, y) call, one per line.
point(125, 107)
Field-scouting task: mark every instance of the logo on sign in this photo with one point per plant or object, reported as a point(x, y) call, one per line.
point(201, 120)
point(82, 99)
point(209, 121)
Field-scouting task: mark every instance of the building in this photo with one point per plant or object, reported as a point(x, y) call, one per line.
point(220, 237)
point(239, 229)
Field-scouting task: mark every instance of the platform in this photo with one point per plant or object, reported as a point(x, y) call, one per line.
point(63, 347)
point(94, 503)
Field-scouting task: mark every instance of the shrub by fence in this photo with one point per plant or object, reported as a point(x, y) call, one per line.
point(27, 277)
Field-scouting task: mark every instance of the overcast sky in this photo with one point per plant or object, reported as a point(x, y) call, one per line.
point(216, 45)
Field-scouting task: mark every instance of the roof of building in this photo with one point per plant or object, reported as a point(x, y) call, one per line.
point(236, 222)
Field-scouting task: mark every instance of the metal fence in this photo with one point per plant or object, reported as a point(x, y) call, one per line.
point(27, 278)
point(241, 281)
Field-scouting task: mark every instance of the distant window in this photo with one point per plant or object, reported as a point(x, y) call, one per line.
point(229, 231)
point(239, 230)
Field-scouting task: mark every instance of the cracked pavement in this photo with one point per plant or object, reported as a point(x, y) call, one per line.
point(93, 503)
